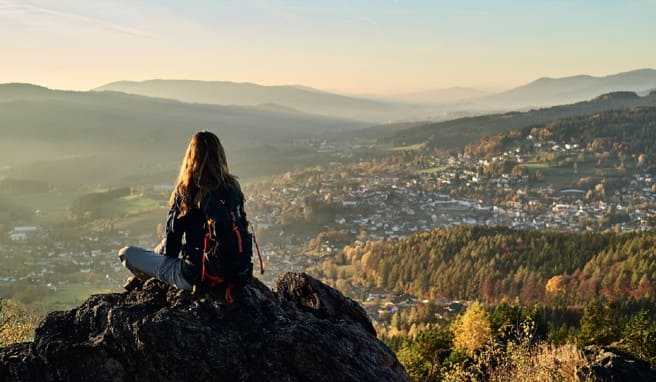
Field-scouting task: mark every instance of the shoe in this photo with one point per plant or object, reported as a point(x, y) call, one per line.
point(133, 283)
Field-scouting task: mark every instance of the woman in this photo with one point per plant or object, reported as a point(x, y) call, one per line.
point(204, 186)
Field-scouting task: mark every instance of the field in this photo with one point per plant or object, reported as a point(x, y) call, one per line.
point(414, 147)
point(561, 176)
point(54, 207)
point(71, 295)
point(47, 208)
point(128, 206)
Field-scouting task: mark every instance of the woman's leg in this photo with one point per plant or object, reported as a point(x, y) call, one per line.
point(145, 263)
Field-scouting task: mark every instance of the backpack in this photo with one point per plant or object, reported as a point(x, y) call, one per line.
point(227, 247)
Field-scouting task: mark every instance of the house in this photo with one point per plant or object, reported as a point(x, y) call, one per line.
point(22, 233)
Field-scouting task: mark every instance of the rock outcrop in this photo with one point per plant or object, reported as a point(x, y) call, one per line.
point(304, 331)
point(607, 364)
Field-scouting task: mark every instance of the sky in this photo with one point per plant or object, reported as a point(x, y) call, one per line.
point(360, 47)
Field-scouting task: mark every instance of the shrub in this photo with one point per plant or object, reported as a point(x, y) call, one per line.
point(521, 359)
point(17, 323)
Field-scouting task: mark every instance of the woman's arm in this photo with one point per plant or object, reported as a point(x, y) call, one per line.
point(174, 229)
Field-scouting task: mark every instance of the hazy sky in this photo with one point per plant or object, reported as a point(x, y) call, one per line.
point(359, 46)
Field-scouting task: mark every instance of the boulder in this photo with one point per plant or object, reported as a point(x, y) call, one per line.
point(609, 364)
point(305, 331)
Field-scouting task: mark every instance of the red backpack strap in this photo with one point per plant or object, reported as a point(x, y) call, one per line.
point(206, 278)
point(228, 293)
point(259, 255)
point(240, 244)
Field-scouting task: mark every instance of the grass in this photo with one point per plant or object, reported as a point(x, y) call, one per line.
point(54, 206)
point(144, 223)
point(130, 205)
point(536, 165)
point(415, 147)
point(566, 176)
point(68, 296)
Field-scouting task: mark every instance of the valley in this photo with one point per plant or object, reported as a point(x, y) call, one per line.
point(391, 191)
point(361, 194)
point(534, 210)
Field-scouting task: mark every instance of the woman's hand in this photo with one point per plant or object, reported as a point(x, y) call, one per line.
point(161, 247)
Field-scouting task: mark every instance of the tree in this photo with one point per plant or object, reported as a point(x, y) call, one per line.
point(423, 355)
point(505, 318)
point(16, 323)
point(640, 336)
point(472, 329)
point(556, 288)
point(597, 324)
point(417, 367)
point(556, 285)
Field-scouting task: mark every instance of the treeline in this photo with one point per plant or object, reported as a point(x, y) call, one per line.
point(463, 131)
point(498, 264)
point(24, 186)
point(628, 131)
point(89, 204)
point(519, 343)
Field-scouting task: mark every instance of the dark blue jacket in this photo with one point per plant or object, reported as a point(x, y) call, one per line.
point(192, 226)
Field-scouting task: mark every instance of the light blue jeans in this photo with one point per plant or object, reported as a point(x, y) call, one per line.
point(164, 268)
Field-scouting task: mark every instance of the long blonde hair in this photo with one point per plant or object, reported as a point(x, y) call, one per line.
point(204, 168)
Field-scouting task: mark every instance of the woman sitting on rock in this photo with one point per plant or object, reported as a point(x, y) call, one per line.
point(207, 209)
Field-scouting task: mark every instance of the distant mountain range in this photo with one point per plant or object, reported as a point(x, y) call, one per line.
point(151, 124)
point(558, 91)
point(438, 96)
point(403, 107)
point(296, 97)
point(102, 135)
point(457, 133)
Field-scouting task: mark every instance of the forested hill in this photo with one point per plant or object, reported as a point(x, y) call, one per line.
point(457, 133)
point(631, 130)
point(72, 137)
point(493, 264)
